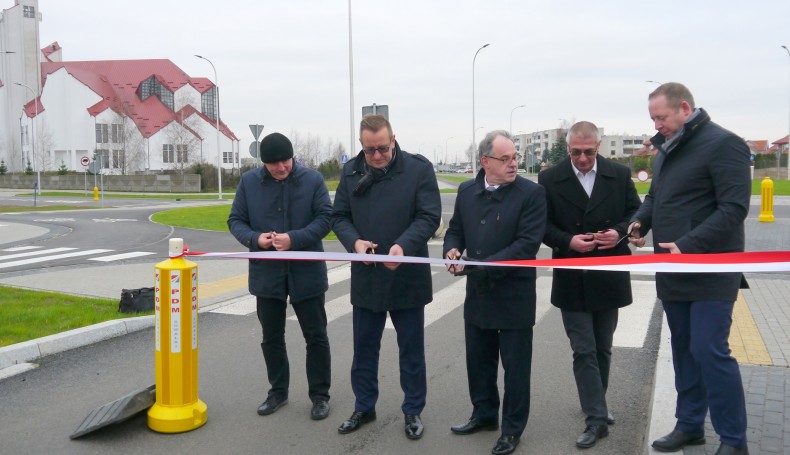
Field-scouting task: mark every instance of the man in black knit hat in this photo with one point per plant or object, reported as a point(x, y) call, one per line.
point(280, 207)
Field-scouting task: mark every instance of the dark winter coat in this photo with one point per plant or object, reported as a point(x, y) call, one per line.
point(699, 199)
point(506, 224)
point(299, 206)
point(571, 212)
point(401, 208)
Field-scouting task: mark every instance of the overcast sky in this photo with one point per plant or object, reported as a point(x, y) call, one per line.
point(284, 64)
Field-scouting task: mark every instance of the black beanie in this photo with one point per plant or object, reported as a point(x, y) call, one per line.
point(275, 148)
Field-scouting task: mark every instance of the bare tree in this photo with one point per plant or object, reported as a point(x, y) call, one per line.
point(43, 146)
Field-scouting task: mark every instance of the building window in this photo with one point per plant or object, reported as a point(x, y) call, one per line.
point(175, 153)
point(227, 157)
point(182, 153)
point(613, 143)
point(168, 155)
point(102, 133)
point(207, 103)
point(29, 11)
point(103, 156)
point(152, 86)
point(117, 133)
point(118, 159)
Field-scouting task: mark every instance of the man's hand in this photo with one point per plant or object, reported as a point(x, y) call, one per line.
point(583, 243)
point(606, 239)
point(365, 247)
point(396, 250)
point(636, 238)
point(265, 240)
point(671, 247)
point(454, 255)
point(281, 242)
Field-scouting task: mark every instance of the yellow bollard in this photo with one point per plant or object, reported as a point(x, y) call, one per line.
point(767, 204)
point(177, 408)
point(95, 193)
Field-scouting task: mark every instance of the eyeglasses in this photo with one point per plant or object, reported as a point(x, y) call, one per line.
point(588, 153)
point(505, 159)
point(382, 149)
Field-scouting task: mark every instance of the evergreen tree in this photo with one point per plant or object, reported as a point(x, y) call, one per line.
point(63, 170)
point(3, 167)
point(28, 168)
point(558, 152)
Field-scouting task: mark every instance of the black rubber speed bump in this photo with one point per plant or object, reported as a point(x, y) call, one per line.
point(117, 411)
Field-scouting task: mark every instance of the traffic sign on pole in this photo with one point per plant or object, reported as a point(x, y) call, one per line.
point(254, 149)
point(85, 162)
point(256, 131)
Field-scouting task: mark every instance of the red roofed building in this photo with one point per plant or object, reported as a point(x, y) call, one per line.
point(138, 115)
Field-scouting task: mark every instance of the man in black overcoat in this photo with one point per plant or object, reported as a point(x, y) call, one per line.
point(498, 216)
point(590, 201)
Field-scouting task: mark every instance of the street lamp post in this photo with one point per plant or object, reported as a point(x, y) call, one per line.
point(33, 138)
point(511, 117)
point(216, 104)
point(445, 149)
point(474, 143)
point(788, 129)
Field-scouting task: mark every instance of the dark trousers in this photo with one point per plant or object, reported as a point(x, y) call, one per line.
point(483, 349)
point(368, 329)
point(312, 320)
point(590, 334)
point(706, 375)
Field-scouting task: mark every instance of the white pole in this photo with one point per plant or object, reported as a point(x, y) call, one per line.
point(474, 142)
point(788, 129)
point(511, 117)
point(33, 138)
point(216, 104)
point(351, 83)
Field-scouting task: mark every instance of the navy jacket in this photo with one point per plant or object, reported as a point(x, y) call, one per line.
point(570, 212)
point(298, 205)
point(699, 199)
point(403, 208)
point(493, 226)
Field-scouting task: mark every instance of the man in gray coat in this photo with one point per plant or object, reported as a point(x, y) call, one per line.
point(590, 201)
point(698, 200)
point(284, 206)
point(387, 202)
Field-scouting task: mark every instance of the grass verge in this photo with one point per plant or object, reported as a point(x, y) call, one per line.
point(27, 315)
point(212, 218)
point(225, 195)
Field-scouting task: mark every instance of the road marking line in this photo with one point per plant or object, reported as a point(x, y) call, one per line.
point(22, 248)
point(118, 257)
point(746, 343)
point(214, 288)
point(634, 319)
point(34, 253)
point(50, 258)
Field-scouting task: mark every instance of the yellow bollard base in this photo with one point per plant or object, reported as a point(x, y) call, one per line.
point(177, 419)
point(766, 218)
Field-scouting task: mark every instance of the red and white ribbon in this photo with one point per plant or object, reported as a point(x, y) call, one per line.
point(753, 261)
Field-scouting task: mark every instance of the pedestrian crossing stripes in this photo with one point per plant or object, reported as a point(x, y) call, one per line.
point(32, 254)
point(632, 327)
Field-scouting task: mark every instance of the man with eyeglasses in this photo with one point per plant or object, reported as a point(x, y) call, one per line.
point(498, 216)
point(590, 201)
point(697, 203)
point(387, 203)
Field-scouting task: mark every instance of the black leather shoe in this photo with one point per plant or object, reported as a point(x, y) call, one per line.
point(474, 425)
point(272, 404)
point(414, 427)
point(725, 449)
point(320, 410)
point(505, 444)
point(675, 441)
point(610, 419)
point(591, 435)
point(356, 420)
